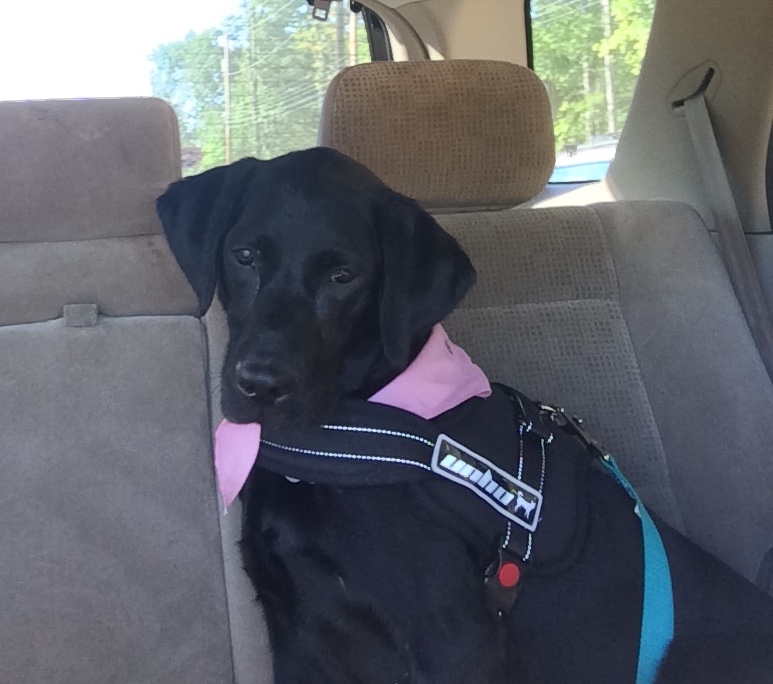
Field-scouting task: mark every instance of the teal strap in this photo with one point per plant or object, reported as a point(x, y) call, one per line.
point(657, 620)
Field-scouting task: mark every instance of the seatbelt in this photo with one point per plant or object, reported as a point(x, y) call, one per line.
point(732, 239)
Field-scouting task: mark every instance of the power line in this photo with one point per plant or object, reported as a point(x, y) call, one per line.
point(283, 108)
point(557, 7)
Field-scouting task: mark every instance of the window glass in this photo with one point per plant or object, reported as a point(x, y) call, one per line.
point(246, 78)
point(588, 53)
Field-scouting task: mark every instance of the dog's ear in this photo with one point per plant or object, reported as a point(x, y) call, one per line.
point(425, 274)
point(196, 213)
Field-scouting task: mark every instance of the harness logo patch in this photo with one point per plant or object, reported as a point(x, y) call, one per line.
point(512, 498)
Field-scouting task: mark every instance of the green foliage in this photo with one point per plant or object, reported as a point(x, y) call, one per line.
point(569, 51)
point(187, 74)
point(280, 62)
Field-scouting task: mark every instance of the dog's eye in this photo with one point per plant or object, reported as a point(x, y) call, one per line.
point(246, 257)
point(342, 275)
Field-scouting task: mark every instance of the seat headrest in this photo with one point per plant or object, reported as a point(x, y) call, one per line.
point(454, 135)
point(84, 169)
point(78, 184)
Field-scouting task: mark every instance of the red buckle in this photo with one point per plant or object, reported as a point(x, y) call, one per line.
point(503, 581)
point(509, 574)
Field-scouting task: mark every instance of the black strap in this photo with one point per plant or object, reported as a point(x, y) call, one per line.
point(370, 444)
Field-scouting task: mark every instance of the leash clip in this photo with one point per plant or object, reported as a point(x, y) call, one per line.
point(573, 425)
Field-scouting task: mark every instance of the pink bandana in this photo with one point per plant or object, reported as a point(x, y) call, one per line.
point(440, 377)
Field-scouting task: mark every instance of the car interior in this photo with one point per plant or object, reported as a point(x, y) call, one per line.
point(622, 295)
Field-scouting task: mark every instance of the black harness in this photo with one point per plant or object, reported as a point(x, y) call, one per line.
point(506, 449)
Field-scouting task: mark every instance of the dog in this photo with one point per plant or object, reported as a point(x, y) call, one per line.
point(332, 285)
point(522, 504)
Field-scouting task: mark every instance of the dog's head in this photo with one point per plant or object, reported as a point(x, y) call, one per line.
point(330, 281)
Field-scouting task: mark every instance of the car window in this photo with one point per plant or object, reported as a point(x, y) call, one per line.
point(589, 54)
point(245, 77)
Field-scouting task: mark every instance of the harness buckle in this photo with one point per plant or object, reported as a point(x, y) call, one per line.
point(503, 580)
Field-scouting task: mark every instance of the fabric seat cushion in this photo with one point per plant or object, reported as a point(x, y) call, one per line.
point(111, 566)
point(623, 313)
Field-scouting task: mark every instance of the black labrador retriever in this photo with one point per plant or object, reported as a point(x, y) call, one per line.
point(331, 283)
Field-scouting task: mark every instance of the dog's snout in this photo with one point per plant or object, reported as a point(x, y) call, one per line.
point(264, 383)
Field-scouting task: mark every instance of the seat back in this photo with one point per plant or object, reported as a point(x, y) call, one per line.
point(621, 312)
point(111, 567)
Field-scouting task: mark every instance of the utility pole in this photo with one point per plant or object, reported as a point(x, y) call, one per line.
point(253, 72)
point(606, 23)
point(587, 93)
point(352, 38)
point(340, 34)
point(226, 66)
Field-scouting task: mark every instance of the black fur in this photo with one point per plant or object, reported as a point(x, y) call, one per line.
point(296, 335)
point(331, 283)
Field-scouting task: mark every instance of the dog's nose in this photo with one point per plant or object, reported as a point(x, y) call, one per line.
point(262, 382)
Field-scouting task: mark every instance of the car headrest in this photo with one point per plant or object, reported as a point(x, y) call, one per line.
point(78, 183)
point(455, 135)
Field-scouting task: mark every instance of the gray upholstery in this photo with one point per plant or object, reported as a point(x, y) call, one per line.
point(84, 169)
point(623, 313)
point(77, 213)
point(34, 286)
point(111, 567)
